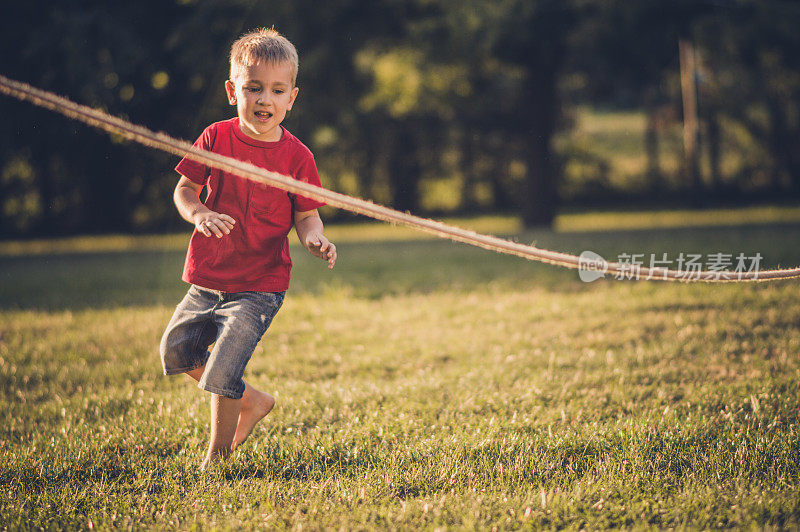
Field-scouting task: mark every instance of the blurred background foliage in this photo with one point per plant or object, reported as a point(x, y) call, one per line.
point(432, 106)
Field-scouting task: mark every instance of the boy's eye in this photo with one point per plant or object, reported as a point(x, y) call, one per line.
point(278, 91)
point(252, 89)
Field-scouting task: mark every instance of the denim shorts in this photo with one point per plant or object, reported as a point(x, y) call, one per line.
point(233, 321)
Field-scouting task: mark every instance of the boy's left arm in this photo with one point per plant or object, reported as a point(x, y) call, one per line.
point(309, 228)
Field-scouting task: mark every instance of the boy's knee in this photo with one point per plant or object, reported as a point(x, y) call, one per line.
point(175, 358)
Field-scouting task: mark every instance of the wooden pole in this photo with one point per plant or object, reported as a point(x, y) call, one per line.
point(691, 130)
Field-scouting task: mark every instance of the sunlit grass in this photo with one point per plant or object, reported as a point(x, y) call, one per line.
point(617, 137)
point(421, 384)
point(677, 218)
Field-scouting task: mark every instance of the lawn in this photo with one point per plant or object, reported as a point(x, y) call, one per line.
point(421, 384)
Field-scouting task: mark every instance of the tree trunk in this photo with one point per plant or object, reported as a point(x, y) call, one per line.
point(404, 169)
point(651, 145)
point(691, 131)
point(778, 144)
point(502, 201)
point(714, 149)
point(540, 196)
point(468, 200)
point(106, 195)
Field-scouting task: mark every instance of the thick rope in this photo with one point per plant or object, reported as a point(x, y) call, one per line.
point(161, 141)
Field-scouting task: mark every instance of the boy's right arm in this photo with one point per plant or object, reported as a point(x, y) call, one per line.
point(191, 209)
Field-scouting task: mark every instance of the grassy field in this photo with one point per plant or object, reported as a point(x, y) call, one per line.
point(421, 384)
point(615, 139)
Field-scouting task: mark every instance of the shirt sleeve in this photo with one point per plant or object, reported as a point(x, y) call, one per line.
point(306, 172)
point(198, 172)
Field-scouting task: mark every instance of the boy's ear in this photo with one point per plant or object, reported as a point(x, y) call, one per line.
point(230, 90)
point(292, 96)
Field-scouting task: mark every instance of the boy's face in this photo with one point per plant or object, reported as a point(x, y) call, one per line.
point(262, 94)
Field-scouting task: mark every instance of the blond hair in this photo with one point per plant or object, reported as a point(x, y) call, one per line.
point(263, 45)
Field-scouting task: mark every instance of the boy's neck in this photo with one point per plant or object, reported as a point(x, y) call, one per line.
point(249, 135)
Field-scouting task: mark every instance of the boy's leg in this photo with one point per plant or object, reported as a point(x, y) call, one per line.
point(190, 332)
point(255, 406)
point(241, 318)
point(224, 416)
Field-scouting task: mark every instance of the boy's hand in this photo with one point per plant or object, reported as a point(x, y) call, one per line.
point(321, 247)
point(210, 222)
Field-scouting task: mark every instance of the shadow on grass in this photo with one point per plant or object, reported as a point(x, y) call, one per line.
point(76, 281)
point(112, 462)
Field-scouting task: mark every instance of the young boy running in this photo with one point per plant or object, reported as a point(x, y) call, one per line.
point(238, 260)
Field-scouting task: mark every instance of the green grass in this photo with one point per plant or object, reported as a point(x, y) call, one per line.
point(421, 384)
point(617, 138)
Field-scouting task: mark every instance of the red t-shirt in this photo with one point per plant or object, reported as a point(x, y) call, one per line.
point(255, 255)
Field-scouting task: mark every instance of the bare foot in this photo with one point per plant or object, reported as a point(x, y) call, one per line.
point(210, 459)
point(250, 414)
point(205, 465)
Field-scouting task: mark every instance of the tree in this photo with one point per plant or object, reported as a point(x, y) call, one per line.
point(516, 50)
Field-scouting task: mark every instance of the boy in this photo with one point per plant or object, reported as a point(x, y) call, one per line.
point(238, 260)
